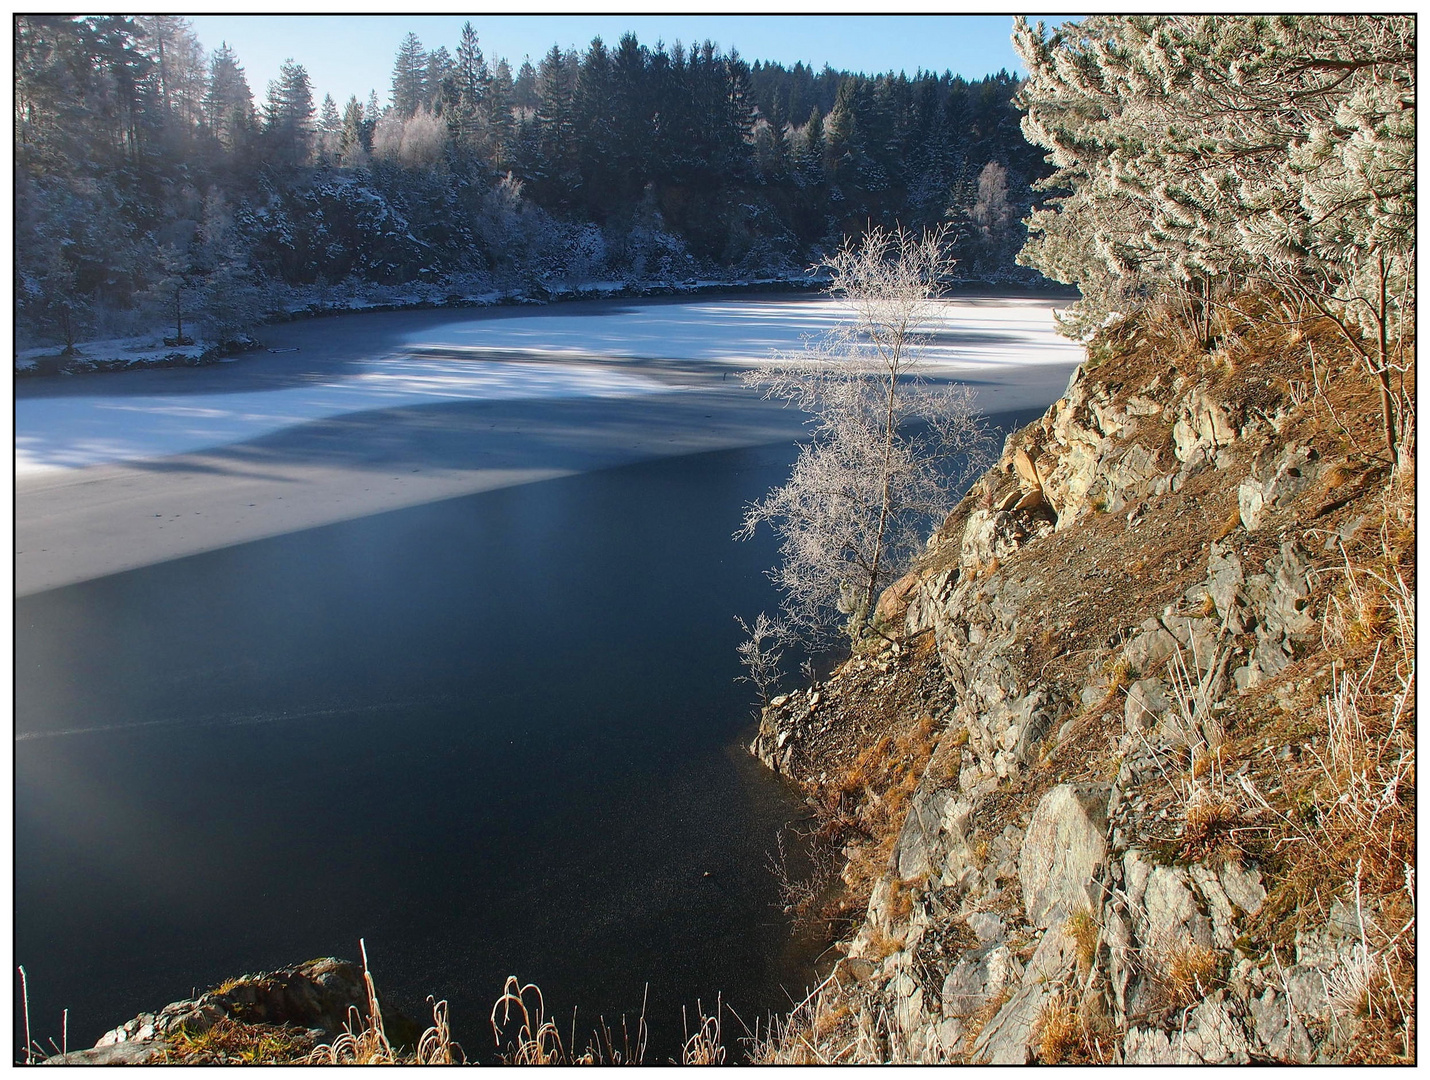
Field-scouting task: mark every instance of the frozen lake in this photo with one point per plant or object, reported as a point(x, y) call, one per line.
point(600, 349)
point(422, 632)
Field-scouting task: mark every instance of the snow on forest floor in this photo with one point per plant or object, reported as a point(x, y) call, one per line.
point(980, 340)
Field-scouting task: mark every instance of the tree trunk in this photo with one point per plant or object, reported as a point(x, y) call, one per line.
point(869, 590)
point(1387, 400)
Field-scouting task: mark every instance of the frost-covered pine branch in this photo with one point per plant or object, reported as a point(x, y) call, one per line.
point(1198, 154)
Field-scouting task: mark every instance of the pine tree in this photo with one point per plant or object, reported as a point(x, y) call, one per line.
point(354, 137)
point(500, 125)
point(556, 124)
point(179, 66)
point(839, 146)
point(228, 102)
point(439, 80)
point(330, 127)
point(473, 80)
point(288, 114)
point(595, 128)
point(409, 77)
point(523, 94)
point(631, 113)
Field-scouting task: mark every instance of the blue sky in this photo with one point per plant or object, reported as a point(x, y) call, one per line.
point(352, 54)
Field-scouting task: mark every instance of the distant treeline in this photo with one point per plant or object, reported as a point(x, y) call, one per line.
point(150, 186)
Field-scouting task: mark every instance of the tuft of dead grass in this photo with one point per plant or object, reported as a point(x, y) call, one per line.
point(1207, 813)
point(1083, 930)
point(704, 1046)
point(1185, 973)
point(835, 1024)
point(1059, 1031)
point(364, 1040)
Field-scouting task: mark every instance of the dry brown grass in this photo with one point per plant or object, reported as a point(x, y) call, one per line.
point(1185, 973)
point(365, 1040)
point(536, 1040)
point(1084, 932)
point(1229, 525)
point(1059, 1031)
point(1212, 761)
point(233, 1042)
point(704, 1046)
point(983, 1015)
point(901, 901)
point(864, 807)
point(833, 1025)
point(1208, 813)
point(882, 943)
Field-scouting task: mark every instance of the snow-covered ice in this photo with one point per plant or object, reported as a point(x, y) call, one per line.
point(71, 432)
point(982, 339)
point(971, 336)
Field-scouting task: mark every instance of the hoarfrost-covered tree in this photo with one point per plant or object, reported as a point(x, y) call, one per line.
point(1206, 153)
point(890, 450)
point(760, 654)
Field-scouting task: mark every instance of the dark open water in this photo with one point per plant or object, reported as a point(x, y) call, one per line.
point(495, 735)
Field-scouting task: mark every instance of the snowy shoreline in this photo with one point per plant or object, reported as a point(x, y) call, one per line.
point(147, 350)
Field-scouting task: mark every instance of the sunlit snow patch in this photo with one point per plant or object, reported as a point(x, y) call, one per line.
point(971, 334)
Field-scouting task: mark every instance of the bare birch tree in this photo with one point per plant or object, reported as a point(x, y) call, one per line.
point(890, 450)
point(760, 654)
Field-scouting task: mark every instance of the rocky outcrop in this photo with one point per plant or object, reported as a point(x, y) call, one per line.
point(1132, 577)
point(312, 998)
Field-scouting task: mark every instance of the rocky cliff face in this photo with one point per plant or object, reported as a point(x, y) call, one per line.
point(1131, 840)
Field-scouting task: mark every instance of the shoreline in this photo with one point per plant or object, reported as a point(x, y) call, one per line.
point(54, 365)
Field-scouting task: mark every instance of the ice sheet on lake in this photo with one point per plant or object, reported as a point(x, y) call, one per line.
point(972, 335)
point(72, 432)
point(982, 339)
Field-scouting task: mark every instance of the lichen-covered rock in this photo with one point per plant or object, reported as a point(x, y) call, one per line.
point(1147, 703)
point(1204, 426)
point(1170, 917)
point(1243, 887)
point(990, 535)
point(1278, 1032)
point(1212, 1036)
point(979, 975)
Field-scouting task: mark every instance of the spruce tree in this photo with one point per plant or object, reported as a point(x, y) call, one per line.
point(288, 114)
point(409, 77)
point(228, 102)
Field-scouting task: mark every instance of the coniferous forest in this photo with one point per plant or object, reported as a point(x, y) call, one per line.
point(152, 187)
